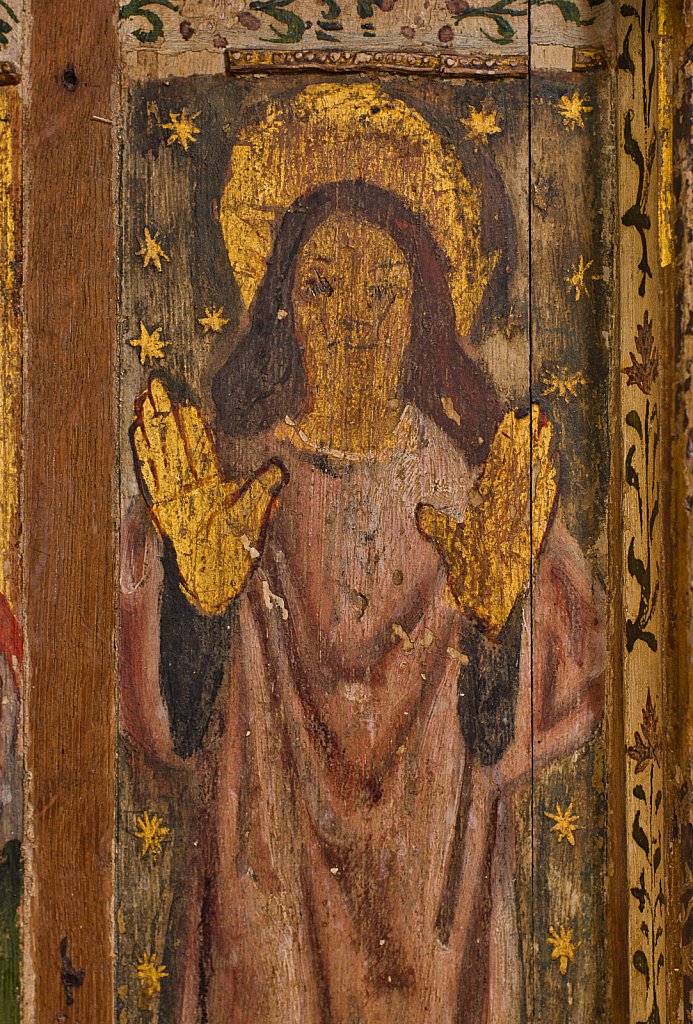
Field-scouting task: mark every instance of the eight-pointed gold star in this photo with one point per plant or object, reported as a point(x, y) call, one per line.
point(571, 109)
point(563, 947)
point(150, 974)
point(480, 124)
point(213, 319)
point(564, 827)
point(152, 251)
point(576, 278)
point(182, 128)
point(153, 833)
point(151, 345)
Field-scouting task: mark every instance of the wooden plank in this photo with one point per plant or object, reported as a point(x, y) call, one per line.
point(68, 521)
point(645, 357)
point(572, 207)
point(304, 133)
point(679, 71)
point(11, 357)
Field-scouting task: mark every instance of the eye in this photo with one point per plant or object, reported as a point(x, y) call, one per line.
point(378, 293)
point(317, 284)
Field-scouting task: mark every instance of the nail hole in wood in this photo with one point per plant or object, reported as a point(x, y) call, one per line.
point(70, 79)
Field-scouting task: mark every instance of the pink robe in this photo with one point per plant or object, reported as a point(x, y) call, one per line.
point(358, 863)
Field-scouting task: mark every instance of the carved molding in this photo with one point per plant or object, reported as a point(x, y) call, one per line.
point(472, 65)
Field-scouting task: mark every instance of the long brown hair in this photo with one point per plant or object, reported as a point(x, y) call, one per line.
point(264, 379)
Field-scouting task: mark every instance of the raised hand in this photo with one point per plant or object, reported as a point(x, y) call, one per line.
point(488, 554)
point(216, 527)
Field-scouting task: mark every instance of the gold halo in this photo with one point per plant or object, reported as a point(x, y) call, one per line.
point(333, 132)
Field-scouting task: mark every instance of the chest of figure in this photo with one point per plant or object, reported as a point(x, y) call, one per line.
point(358, 564)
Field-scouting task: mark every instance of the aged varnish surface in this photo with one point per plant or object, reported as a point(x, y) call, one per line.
point(340, 629)
point(363, 647)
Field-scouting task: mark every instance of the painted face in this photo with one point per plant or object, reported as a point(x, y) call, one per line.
point(351, 299)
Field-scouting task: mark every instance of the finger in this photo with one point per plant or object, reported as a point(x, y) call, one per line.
point(249, 513)
point(146, 468)
point(198, 442)
point(542, 433)
point(437, 526)
point(151, 431)
point(159, 418)
point(159, 396)
point(273, 477)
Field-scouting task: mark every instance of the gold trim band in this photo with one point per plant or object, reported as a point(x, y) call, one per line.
point(470, 65)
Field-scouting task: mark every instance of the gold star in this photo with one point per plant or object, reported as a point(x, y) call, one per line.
point(213, 319)
point(151, 346)
point(152, 251)
point(153, 833)
point(481, 124)
point(563, 386)
point(571, 109)
point(564, 826)
point(563, 947)
point(576, 278)
point(150, 974)
point(182, 128)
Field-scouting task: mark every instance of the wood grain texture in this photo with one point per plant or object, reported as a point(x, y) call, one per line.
point(645, 355)
point(680, 695)
point(156, 29)
point(69, 523)
point(559, 876)
point(572, 370)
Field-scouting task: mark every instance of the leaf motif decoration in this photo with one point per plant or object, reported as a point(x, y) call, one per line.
point(644, 367)
point(646, 747)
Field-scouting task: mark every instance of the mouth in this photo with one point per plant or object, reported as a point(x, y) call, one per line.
point(352, 345)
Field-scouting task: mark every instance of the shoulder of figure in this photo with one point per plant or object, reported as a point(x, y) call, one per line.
point(444, 474)
point(241, 457)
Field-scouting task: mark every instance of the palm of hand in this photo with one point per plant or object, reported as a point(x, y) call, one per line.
point(216, 528)
point(489, 554)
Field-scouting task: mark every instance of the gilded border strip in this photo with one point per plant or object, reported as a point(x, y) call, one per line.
point(11, 349)
point(470, 65)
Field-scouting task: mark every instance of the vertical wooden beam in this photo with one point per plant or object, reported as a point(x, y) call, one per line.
point(644, 355)
point(69, 476)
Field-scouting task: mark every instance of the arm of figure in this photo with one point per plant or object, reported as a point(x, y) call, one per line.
point(489, 554)
point(215, 528)
point(561, 691)
point(171, 657)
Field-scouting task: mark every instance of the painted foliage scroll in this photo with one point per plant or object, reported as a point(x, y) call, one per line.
point(362, 645)
point(642, 247)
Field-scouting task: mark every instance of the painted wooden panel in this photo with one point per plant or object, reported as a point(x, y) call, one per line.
point(153, 30)
point(572, 370)
point(364, 478)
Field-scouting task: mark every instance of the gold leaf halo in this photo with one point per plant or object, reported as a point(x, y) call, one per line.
point(334, 132)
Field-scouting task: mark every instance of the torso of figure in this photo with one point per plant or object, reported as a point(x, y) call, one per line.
point(341, 753)
point(344, 545)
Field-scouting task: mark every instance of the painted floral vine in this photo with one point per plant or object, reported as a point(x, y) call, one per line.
point(648, 893)
point(641, 476)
